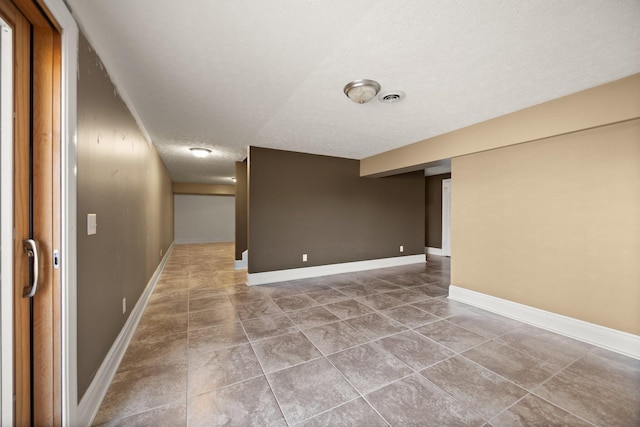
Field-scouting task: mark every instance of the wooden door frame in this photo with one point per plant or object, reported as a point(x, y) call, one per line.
point(74, 411)
point(6, 221)
point(38, 106)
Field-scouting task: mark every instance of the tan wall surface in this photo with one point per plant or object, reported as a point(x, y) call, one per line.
point(554, 224)
point(613, 102)
point(204, 189)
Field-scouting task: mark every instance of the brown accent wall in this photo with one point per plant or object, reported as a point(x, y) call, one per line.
point(433, 210)
point(554, 224)
point(121, 179)
point(319, 205)
point(241, 208)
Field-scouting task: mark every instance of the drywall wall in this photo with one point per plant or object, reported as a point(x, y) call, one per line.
point(204, 219)
point(319, 206)
point(241, 209)
point(433, 210)
point(609, 103)
point(122, 180)
point(554, 224)
point(204, 189)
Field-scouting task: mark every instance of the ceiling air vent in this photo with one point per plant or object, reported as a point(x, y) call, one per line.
point(391, 96)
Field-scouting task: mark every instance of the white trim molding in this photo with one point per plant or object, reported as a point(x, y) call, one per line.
point(327, 270)
point(92, 398)
point(196, 241)
point(6, 226)
point(243, 263)
point(433, 251)
point(68, 247)
point(601, 336)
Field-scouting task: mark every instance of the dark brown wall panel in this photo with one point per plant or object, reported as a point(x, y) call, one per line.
point(241, 209)
point(318, 205)
point(433, 209)
point(122, 180)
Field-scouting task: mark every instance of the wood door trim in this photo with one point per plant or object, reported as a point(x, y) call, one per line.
point(56, 180)
point(22, 93)
point(37, 13)
point(34, 27)
point(43, 227)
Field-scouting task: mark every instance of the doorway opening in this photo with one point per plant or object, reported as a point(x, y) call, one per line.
point(446, 217)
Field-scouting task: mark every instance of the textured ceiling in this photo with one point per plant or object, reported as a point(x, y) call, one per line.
point(229, 74)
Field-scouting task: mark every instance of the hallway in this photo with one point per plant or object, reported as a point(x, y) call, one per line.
point(381, 347)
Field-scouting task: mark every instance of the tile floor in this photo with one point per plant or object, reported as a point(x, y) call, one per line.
point(376, 348)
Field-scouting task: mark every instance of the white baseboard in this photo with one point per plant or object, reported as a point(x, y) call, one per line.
point(433, 251)
point(184, 241)
point(327, 270)
point(601, 336)
point(90, 403)
point(243, 263)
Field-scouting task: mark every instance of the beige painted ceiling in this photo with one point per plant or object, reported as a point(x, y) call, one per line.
point(229, 74)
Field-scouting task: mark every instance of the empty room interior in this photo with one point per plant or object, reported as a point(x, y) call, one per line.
point(279, 213)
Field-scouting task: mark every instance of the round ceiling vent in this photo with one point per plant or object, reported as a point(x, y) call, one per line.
point(391, 96)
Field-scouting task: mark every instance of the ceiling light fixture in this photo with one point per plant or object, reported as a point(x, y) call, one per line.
point(200, 152)
point(361, 91)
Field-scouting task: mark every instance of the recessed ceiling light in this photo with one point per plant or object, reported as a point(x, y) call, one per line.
point(200, 152)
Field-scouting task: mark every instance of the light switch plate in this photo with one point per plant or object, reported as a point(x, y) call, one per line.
point(92, 224)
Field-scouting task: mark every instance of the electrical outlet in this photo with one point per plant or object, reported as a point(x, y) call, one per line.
point(401, 248)
point(304, 257)
point(124, 305)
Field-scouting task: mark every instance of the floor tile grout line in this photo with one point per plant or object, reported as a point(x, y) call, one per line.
point(534, 391)
point(495, 373)
point(328, 410)
point(529, 393)
point(273, 392)
point(473, 411)
point(506, 344)
point(579, 372)
point(566, 410)
point(132, 414)
point(497, 339)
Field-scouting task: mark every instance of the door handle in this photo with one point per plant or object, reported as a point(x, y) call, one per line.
point(31, 249)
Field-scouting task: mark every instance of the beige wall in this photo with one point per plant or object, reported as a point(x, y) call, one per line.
point(610, 103)
point(204, 189)
point(546, 203)
point(554, 224)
